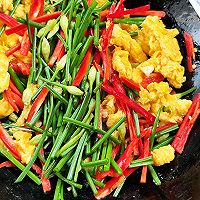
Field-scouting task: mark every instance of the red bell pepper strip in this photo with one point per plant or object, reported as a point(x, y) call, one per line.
point(114, 183)
point(140, 146)
point(57, 50)
point(99, 68)
point(187, 124)
point(89, 2)
point(96, 61)
point(118, 12)
point(62, 53)
point(46, 184)
point(17, 99)
point(130, 83)
point(14, 88)
point(106, 58)
point(145, 154)
point(132, 104)
point(44, 18)
point(9, 142)
point(190, 50)
point(13, 49)
point(160, 14)
point(36, 8)
point(37, 169)
point(11, 100)
point(37, 103)
point(104, 13)
point(8, 20)
point(20, 67)
point(153, 77)
point(138, 9)
point(6, 164)
point(25, 44)
point(115, 151)
point(83, 68)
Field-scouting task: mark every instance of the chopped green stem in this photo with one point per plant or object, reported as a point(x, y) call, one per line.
point(90, 181)
point(180, 95)
point(116, 166)
point(50, 169)
point(142, 162)
point(132, 34)
point(168, 130)
point(154, 129)
point(98, 183)
point(31, 23)
point(103, 6)
point(72, 183)
point(164, 142)
point(10, 157)
point(135, 20)
point(94, 163)
point(154, 175)
point(96, 32)
point(16, 79)
point(108, 156)
point(107, 135)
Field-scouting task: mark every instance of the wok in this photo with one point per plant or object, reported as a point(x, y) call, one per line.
point(181, 178)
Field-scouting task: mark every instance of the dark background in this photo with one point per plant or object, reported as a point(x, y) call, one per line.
point(181, 178)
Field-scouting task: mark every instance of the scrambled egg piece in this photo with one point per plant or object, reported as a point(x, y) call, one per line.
point(110, 111)
point(5, 108)
point(121, 64)
point(130, 27)
point(22, 144)
point(163, 155)
point(157, 95)
point(159, 43)
point(6, 5)
point(5, 76)
point(21, 120)
point(123, 39)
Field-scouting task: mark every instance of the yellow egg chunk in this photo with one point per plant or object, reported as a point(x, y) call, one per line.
point(108, 106)
point(5, 76)
point(157, 95)
point(123, 39)
point(22, 144)
point(122, 65)
point(6, 5)
point(114, 118)
point(163, 155)
point(5, 108)
point(129, 27)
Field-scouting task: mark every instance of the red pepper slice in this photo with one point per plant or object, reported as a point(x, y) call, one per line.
point(13, 49)
point(146, 154)
point(153, 77)
point(46, 184)
point(37, 169)
point(160, 14)
point(138, 9)
point(17, 99)
point(44, 18)
point(130, 83)
point(57, 50)
point(89, 2)
point(96, 61)
point(8, 20)
point(14, 89)
point(21, 67)
point(181, 137)
point(9, 142)
point(119, 10)
point(25, 44)
point(104, 13)
point(83, 68)
point(62, 53)
point(129, 102)
point(190, 50)
point(37, 103)
point(6, 164)
point(36, 8)
point(11, 100)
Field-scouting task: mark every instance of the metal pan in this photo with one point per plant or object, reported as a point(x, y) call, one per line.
point(181, 178)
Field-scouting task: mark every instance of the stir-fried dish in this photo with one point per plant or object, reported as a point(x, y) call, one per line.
point(88, 90)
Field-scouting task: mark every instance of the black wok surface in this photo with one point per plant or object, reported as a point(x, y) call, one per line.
point(181, 178)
